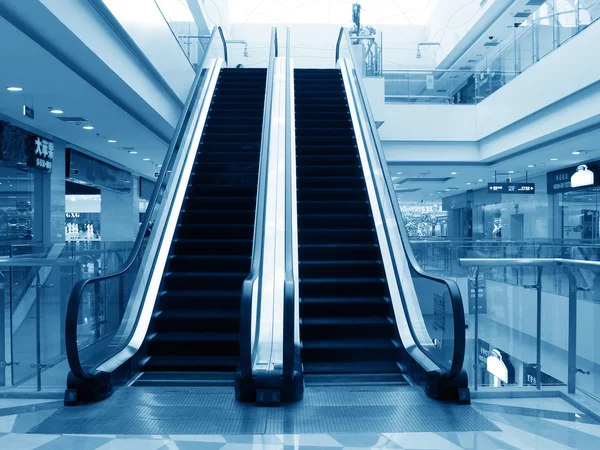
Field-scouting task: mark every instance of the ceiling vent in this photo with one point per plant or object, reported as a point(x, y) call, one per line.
point(72, 119)
point(472, 60)
point(442, 90)
point(127, 149)
point(465, 68)
point(431, 180)
point(522, 15)
point(491, 44)
point(407, 189)
point(535, 2)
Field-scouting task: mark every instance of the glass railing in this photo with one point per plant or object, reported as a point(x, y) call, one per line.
point(181, 21)
point(520, 335)
point(34, 287)
point(446, 87)
point(532, 40)
point(442, 257)
point(428, 310)
point(92, 358)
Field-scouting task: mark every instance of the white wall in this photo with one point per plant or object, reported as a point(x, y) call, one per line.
point(421, 122)
point(145, 24)
point(86, 24)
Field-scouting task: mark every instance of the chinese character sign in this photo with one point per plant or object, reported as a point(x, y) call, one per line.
point(40, 153)
point(20, 148)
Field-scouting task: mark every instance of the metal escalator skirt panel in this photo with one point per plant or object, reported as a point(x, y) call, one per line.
point(139, 310)
point(396, 266)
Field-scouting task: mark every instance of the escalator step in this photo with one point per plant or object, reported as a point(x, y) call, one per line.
point(191, 363)
point(204, 263)
point(340, 269)
point(351, 367)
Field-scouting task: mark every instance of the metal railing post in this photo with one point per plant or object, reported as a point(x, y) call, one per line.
point(38, 344)
point(572, 344)
point(476, 363)
point(539, 329)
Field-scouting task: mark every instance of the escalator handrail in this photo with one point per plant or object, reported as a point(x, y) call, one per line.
point(289, 316)
point(455, 295)
point(256, 265)
point(74, 302)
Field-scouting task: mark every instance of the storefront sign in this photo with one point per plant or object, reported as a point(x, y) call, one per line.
point(511, 188)
point(21, 148)
point(530, 377)
point(43, 153)
point(478, 296)
point(483, 353)
point(578, 177)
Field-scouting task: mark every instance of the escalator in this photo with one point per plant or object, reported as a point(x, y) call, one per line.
point(196, 321)
point(347, 322)
point(178, 311)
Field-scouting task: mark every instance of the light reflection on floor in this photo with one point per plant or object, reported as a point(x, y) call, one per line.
point(526, 423)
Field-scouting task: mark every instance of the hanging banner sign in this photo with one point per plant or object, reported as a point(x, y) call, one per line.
point(511, 188)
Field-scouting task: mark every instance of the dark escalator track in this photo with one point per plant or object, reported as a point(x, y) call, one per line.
point(347, 322)
point(195, 327)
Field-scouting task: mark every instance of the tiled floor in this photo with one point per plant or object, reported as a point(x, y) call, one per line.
point(538, 423)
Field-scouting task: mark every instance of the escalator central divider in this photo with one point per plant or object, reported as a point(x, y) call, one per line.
point(258, 377)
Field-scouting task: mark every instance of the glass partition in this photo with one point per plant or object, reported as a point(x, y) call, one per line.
point(37, 280)
point(525, 335)
point(542, 32)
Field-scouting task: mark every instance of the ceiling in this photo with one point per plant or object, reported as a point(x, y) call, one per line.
point(435, 181)
point(47, 83)
point(373, 12)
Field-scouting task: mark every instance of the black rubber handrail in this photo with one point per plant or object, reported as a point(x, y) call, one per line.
point(451, 286)
point(74, 302)
point(246, 350)
point(289, 289)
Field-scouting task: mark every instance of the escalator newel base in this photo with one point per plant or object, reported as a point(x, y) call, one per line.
point(88, 390)
point(455, 389)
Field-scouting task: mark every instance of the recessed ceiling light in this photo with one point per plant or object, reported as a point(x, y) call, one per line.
point(452, 173)
point(88, 127)
point(511, 172)
point(146, 159)
point(56, 111)
point(469, 183)
point(576, 153)
point(480, 180)
point(14, 89)
point(553, 159)
point(398, 173)
point(112, 141)
point(133, 152)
